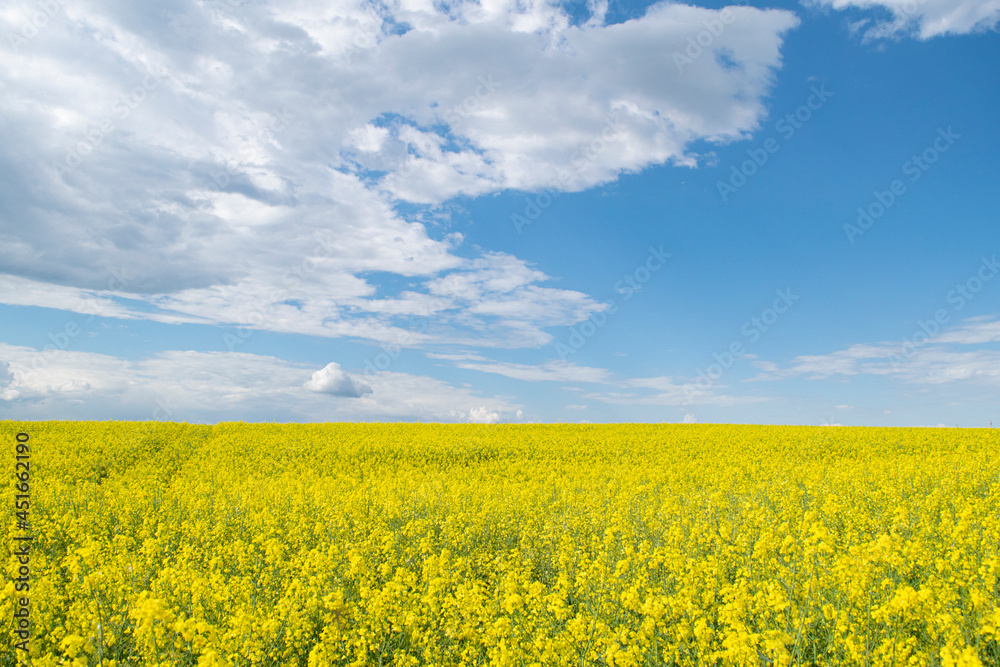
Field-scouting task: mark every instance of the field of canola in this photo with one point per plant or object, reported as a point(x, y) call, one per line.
point(402, 544)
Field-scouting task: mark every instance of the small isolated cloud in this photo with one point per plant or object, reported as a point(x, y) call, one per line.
point(689, 418)
point(922, 19)
point(332, 380)
point(575, 406)
point(483, 415)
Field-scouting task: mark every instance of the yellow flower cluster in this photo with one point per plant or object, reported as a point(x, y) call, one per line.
point(400, 544)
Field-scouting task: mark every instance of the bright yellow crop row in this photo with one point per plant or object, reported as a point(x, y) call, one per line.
point(388, 544)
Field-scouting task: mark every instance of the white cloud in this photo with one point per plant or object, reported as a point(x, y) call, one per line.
point(918, 359)
point(923, 18)
point(938, 366)
point(560, 100)
point(689, 418)
point(368, 139)
point(332, 380)
point(767, 366)
point(666, 390)
point(253, 178)
point(977, 330)
point(214, 386)
point(492, 301)
point(6, 380)
point(850, 361)
point(483, 415)
point(455, 357)
point(660, 390)
point(553, 371)
point(18, 291)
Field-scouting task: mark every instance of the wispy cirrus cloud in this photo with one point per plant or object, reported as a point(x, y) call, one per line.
point(932, 359)
point(552, 371)
point(658, 390)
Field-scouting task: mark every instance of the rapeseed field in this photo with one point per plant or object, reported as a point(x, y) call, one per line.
point(401, 544)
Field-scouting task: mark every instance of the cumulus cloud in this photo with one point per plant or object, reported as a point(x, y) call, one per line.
point(332, 380)
point(483, 415)
point(922, 19)
point(569, 106)
point(245, 164)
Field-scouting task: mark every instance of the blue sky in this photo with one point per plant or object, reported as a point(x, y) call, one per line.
point(501, 212)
